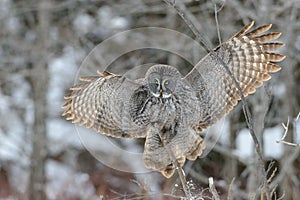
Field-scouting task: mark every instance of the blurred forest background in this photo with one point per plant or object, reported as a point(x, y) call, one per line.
point(43, 44)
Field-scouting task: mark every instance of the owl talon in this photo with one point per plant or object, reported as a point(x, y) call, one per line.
point(181, 161)
point(168, 171)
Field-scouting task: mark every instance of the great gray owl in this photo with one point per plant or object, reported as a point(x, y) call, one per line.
point(170, 110)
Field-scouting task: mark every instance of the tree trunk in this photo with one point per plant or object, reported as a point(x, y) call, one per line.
point(39, 81)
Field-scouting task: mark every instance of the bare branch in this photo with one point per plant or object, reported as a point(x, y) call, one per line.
point(217, 21)
point(212, 188)
point(181, 174)
point(182, 12)
point(297, 118)
point(286, 128)
point(230, 189)
point(179, 170)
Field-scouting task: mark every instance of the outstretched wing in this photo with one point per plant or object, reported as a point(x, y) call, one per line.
point(248, 56)
point(103, 102)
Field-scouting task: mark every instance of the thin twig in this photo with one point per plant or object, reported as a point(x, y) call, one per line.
point(217, 25)
point(286, 129)
point(273, 172)
point(273, 193)
point(298, 116)
point(212, 189)
point(217, 21)
point(190, 24)
point(182, 178)
point(179, 170)
point(263, 193)
point(230, 189)
point(269, 194)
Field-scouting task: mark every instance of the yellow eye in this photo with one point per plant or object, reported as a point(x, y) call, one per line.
point(156, 82)
point(166, 82)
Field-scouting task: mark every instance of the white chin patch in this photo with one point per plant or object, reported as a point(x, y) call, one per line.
point(156, 95)
point(166, 95)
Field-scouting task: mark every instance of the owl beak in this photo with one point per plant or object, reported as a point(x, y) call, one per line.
point(160, 91)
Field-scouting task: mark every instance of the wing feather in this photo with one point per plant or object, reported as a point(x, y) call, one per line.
point(248, 56)
point(103, 103)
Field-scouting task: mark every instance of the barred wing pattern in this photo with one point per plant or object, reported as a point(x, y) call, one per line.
point(247, 56)
point(103, 102)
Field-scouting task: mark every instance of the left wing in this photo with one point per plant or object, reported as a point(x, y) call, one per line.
point(104, 103)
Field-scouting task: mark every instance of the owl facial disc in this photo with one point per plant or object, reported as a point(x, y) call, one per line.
point(162, 80)
point(160, 88)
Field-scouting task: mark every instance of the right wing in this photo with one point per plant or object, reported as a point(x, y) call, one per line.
point(104, 103)
point(248, 58)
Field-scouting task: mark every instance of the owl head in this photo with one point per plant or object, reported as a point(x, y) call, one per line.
point(162, 80)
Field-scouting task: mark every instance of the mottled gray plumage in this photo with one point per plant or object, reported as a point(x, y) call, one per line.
point(170, 110)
